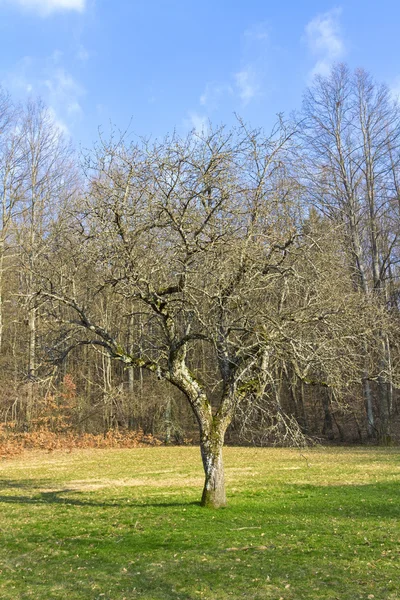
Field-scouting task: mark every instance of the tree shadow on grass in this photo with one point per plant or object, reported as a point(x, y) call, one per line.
point(369, 500)
point(61, 496)
point(146, 586)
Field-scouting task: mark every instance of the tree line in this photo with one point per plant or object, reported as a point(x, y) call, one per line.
point(226, 283)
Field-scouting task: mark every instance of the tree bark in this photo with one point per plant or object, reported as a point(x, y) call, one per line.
point(328, 421)
point(1, 290)
point(31, 364)
point(369, 407)
point(214, 495)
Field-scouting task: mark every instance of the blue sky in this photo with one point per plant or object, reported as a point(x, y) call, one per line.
point(174, 64)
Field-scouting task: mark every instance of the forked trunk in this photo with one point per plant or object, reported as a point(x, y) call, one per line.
point(212, 427)
point(214, 486)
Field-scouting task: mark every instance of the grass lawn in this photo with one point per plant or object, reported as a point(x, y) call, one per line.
point(126, 524)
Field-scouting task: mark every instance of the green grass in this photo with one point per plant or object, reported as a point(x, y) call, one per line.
point(126, 524)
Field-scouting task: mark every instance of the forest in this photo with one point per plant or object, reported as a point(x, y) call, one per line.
point(230, 284)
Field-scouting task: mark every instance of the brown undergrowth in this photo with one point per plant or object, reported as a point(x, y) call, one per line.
point(14, 443)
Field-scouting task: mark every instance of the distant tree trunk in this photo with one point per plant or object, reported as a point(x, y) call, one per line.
point(32, 344)
point(369, 407)
point(384, 421)
point(339, 427)
point(167, 420)
point(31, 305)
point(390, 377)
point(296, 388)
point(384, 394)
point(107, 387)
point(1, 292)
point(131, 350)
point(31, 363)
point(328, 421)
point(359, 432)
point(88, 364)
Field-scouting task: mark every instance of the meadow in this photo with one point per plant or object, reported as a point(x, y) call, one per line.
point(121, 524)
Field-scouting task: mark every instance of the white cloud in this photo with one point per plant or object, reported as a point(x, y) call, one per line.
point(46, 7)
point(257, 33)
point(256, 51)
point(63, 90)
point(198, 123)
point(19, 81)
point(49, 80)
point(240, 87)
point(323, 37)
point(82, 54)
point(74, 108)
point(59, 123)
point(213, 94)
point(247, 84)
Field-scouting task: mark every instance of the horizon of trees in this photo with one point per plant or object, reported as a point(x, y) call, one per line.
point(259, 274)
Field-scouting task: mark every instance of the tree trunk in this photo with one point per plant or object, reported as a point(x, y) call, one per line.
point(168, 420)
point(298, 403)
point(384, 393)
point(1, 291)
point(107, 400)
point(368, 407)
point(31, 365)
point(212, 427)
point(389, 374)
point(328, 421)
point(131, 349)
point(214, 486)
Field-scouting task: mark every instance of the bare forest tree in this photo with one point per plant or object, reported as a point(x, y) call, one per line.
point(351, 137)
point(49, 181)
point(37, 176)
point(11, 176)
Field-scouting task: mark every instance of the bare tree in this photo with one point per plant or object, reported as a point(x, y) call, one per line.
point(11, 177)
point(192, 235)
point(351, 134)
point(48, 180)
